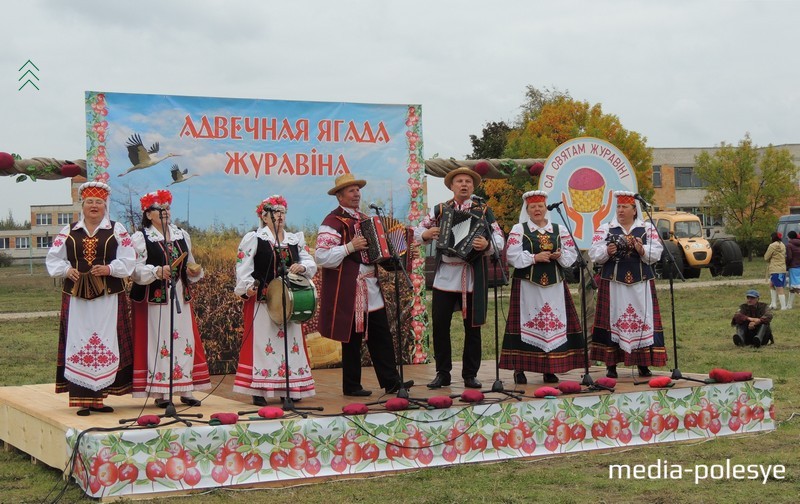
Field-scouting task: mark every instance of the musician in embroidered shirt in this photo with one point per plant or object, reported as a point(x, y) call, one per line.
point(164, 255)
point(458, 282)
point(351, 302)
point(543, 332)
point(627, 324)
point(262, 255)
point(93, 255)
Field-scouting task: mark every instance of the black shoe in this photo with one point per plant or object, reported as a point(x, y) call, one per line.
point(472, 383)
point(359, 393)
point(293, 399)
point(549, 378)
point(644, 371)
point(191, 401)
point(611, 371)
point(102, 409)
point(84, 412)
point(519, 378)
point(737, 340)
point(259, 401)
point(162, 403)
point(394, 388)
point(441, 380)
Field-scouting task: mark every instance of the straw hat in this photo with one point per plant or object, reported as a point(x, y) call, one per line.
point(476, 178)
point(346, 180)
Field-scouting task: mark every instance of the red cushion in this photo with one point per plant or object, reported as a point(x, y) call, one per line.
point(472, 395)
point(226, 418)
point(569, 387)
point(742, 375)
point(546, 391)
point(440, 402)
point(605, 381)
point(146, 420)
point(355, 409)
point(397, 404)
point(270, 412)
point(660, 382)
point(721, 375)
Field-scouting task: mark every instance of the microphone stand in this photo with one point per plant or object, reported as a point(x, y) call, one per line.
point(583, 271)
point(171, 290)
point(497, 386)
point(402, 392)
point(676, 373)
point(282, 270)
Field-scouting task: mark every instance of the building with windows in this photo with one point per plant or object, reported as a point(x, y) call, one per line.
point(678, 188)
point(46, 221)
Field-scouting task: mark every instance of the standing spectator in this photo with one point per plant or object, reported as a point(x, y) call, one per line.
point(793, 265)
point(163, 260)
point(95, 352)
point(776, 270)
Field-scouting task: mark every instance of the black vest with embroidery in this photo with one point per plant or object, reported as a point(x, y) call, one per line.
point(543, 274)
point(628, 268)
point(265, 266)
point(157, 256)
point(84, 251)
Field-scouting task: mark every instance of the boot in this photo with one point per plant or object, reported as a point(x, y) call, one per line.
point(773, 299)
point(782, 298)
point(791, 301)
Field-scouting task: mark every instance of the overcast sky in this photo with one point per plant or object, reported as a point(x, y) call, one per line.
point(681, 73)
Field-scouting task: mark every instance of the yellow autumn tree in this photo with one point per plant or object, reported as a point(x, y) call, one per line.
point(550, 118)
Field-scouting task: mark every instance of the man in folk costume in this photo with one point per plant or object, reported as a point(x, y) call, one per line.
point(459, 283)
point(164, 256)
point(262, 254)
point(93, 255)
point(351, 302)
point(627, 324)
point(543, 332)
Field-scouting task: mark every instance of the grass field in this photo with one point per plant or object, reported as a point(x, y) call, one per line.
point(703, 333)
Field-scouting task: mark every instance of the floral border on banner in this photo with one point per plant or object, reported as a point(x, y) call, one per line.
point(416, 211)
point(143, 461)
point(96, 132)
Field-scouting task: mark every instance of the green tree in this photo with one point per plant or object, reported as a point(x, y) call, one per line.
point(749, 187)
point(492, 142)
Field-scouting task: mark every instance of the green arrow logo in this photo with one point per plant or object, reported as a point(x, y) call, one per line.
point(29, 74)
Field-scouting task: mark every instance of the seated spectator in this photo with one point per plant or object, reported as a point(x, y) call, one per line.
point(752, 322)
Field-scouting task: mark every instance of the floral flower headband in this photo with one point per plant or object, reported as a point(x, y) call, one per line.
point(274, 202)
point(156, 199)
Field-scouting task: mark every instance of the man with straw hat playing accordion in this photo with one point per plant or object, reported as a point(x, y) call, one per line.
point(351, 302)
point(93, 255)
point(458, 282)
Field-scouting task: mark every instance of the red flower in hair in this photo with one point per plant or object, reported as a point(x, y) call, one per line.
point(158, 198)
point(274, 202)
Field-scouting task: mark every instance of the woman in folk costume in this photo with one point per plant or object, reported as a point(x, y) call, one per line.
point(543, 333)
point(627, 324)
point(262, 363)
point(93, 255)
point(164, 255)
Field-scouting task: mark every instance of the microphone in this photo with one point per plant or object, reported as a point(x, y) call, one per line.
point(375, 207)
point(555, 205)
point(641, 200)
point(477, 199)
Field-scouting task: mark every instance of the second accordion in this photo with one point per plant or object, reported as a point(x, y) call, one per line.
point(385, 235)
point(457, 230)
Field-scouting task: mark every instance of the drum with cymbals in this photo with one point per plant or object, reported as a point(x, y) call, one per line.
point(301, 299)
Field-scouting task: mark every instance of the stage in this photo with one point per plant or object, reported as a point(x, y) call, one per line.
point(137, 461)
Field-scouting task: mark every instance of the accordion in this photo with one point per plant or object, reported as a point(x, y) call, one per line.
point(457, 230)
point(385, 235)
